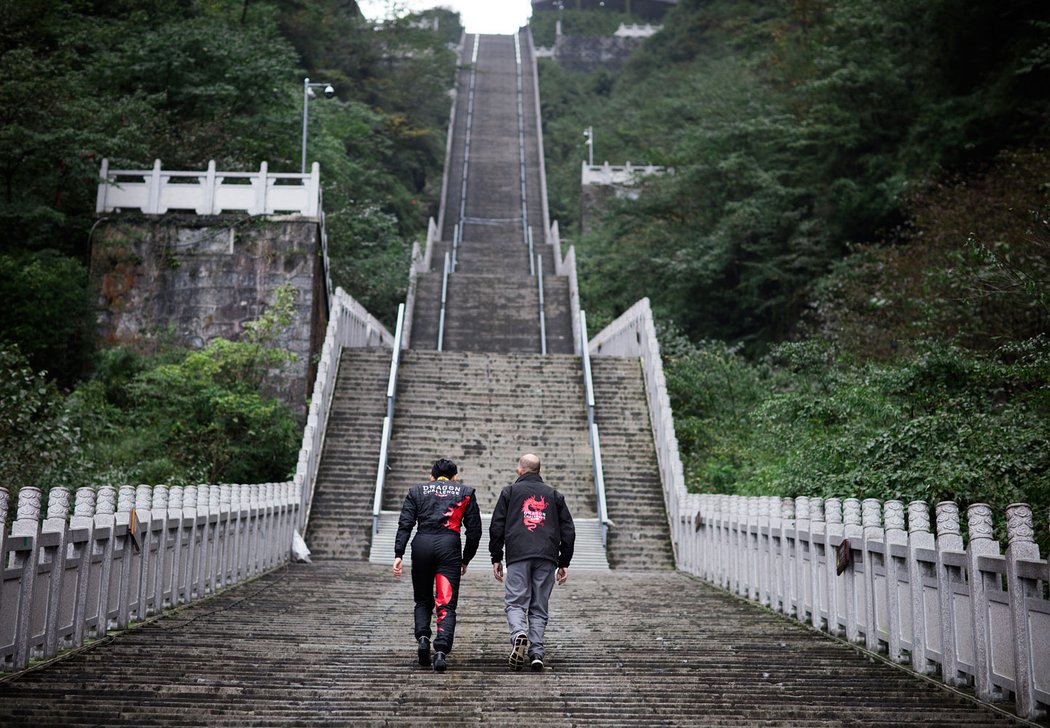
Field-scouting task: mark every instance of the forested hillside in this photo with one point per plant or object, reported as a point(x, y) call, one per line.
point(186, 82)
point(850, 262)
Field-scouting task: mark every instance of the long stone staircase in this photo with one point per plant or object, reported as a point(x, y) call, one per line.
point(331, 643)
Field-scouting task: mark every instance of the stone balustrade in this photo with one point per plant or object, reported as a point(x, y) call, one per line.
point(911, 588)
point(904, 586)
point(157, 191)
point(127, 554)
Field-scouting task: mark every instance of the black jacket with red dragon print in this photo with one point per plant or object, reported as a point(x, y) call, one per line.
point(440, 506)
point(532, 521)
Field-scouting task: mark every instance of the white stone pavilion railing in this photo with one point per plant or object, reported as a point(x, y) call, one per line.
point(621, 175)
point(156, 191)
point(967, 611)
point(130, 553)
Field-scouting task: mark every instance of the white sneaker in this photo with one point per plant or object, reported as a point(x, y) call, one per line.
point(517, 653)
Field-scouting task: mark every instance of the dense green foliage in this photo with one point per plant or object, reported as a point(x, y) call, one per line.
point(850, 259)
point(187, 82)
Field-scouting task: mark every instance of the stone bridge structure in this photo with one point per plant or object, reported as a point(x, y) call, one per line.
point(680, 609)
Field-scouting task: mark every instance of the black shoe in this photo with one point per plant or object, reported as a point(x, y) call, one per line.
point(439, 662)
point(537, 663)
point(424, 652)
point(517, 653)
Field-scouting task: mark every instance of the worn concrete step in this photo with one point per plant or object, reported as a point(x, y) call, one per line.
point(634, 493)
point(331, 644)
point(588, 553)
point(483, 411)
point(492, 313)
point(341, 513)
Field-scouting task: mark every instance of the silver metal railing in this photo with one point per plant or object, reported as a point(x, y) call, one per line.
point(543, 311)
point(592, 430)
point(444, 302)
point(388, 420)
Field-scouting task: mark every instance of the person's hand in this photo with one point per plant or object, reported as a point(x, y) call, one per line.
point(497, 571)
point(397, 567)
point(562, 574)
point(462, 569)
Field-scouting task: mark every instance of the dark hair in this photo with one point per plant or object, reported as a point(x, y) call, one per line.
point(443, 468)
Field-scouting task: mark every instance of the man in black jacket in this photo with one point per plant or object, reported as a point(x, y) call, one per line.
point(441, 507)
point(532, 521)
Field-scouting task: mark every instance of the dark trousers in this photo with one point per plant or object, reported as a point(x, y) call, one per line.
point(436, 562)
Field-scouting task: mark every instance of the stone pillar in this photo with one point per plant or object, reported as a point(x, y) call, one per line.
point(836, 586)
point(896, 560)
point(874, 560)
point(148, 532)
point(81, 526)
point(921, 568)
point(26, 530)
point(950, 557)
point(982, 543)
point(818, 564)
point(1022, 547)
point(104, 537)
point(854, 587)
point(54, 529)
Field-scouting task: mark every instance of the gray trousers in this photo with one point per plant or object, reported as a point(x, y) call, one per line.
point(528, 591)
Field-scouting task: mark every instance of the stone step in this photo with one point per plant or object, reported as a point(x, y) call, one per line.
point(341, 513)
point(588, 551)
point(634, 493)
point(483, 411)
point(331, 643)
point(492, 313)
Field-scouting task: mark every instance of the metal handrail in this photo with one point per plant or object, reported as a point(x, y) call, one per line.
point(455, 245)
point(444, 299)
point(543, 312)
point(592, 431)
point(532, 254)
point(388, 420)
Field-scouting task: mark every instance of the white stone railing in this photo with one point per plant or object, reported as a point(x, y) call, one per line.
point(974, 615)
point(157, 191)
point(609, 174)
point(125, 555)
point(349, 326)
point(634, 334)
point(420, 264)
point(980, 617)
point(128, 554)
point(636, 30)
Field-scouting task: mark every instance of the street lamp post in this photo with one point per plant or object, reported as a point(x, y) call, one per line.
point(308, 88)
point(589, 133)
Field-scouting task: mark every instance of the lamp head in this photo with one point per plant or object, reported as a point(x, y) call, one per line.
point(329, 91)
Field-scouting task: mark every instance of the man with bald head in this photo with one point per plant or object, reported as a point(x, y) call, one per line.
point(533, 523)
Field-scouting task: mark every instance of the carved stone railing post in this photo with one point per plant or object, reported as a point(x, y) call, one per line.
point(1029, 647)
point(836, 586)
point(982, 583)
point(217, 535)
point(204, 538)
point(104, 549)
point(874, 573)
point(22, 559)
point(54, 533)
point(753, 567)
point(818, 564)
point(127, 596)
point(147, 528)
point(951, 561)
point(803, 557)
point(227, 527)
point(789, 599)
point(896, 564)
point(854, 586)
point(740, 545)
point(167, 547)
point(768, 552)
point(922, 563)
point(81, 527)
point(194, 528)
point(177, 536)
